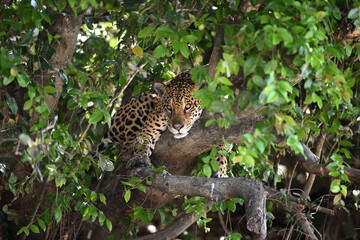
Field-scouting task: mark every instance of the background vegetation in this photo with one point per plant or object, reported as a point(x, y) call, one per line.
point(65, 66)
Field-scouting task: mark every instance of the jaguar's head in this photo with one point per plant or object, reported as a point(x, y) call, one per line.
point(179, 106)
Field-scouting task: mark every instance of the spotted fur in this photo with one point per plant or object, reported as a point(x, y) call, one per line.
point(138, 125)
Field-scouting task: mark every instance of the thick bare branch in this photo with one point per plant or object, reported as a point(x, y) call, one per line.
point(217, 189)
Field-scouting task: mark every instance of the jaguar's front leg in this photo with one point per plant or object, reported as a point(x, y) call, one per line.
point(145, 142)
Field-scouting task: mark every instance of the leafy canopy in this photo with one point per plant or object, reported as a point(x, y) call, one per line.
point(283, 59)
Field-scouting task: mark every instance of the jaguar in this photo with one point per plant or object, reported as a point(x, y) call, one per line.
point(137, 125)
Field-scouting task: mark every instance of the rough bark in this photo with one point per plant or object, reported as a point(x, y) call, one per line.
point(68, 28)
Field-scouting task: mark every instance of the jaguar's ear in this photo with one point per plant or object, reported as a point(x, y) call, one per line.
point(160, 89)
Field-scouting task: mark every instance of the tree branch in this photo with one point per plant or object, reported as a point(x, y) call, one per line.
point(312, 166)
point(217, 189)
point(180, 160)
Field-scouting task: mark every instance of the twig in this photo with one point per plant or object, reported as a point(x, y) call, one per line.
point(291, 177)
point(289, 233)
point(8, 140)
point(178, 226)
point(222, 223)
point(297, 203)
point(37, 206)
point(47, 128)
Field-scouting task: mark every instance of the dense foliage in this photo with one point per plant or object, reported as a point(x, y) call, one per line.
point(295, 62)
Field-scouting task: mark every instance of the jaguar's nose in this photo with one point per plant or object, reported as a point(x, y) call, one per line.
point(178, 126)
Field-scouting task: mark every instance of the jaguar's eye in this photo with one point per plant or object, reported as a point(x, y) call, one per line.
point(168, 107)
point(187, 106)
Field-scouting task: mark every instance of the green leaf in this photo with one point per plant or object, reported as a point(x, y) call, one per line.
point(102, 198)
point(34, 228)
point(333, 51)
point(236, 236)
point(85, 213)
point(109, 225)
point(141, 188)
point(72, 2)
point(346, 143)
point(285, 35)
point(189, 38)
point(249, 160)
point(25, 139)
point(337, 158)
point(57, 214)
point(293, 142)
point(207, 170)
point(214, 165)
point(93, 3)
point(260, 145)
point(334, 173)
point(258, 81)
point(335, 186)
point(231, 205)
point(42, 224)
point(317, 99)
point(244, 99)
point(320, 15)
point(23, 229)
point(93, 196)
point(31, 92)
point(166, 32)
point(160, 51)
point(333, 166)
point(146, 32)
point(46, 17)
point(22, 79)
point(182, 47)
point(199, 74)
point(50, 89)
point(285, 86)
point(162, 215)
point(250, 65)
point(209, 122)
point(127, 195)
point(353, 13)
point(8, 80)
point(289, 120)
point(84, 4)
point(11, 103)
point(96, 116)
point(225, 81)
point(71, 104)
